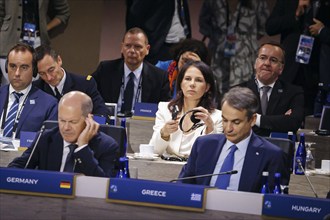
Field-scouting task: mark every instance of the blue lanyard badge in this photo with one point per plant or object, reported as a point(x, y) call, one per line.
point(304, 49)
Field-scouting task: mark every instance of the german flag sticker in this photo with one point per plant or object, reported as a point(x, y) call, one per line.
point(65, 185)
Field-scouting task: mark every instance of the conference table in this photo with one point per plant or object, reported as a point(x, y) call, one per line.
point(14, 206)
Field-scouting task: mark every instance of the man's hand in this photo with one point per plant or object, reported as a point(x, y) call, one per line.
point(89, 132)
point(288, 112)
point(302, 5)
point(315, 28)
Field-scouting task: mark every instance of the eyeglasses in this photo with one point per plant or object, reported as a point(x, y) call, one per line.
point(272, 60)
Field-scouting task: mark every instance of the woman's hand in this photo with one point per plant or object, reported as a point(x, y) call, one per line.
point(205, 116)
point(169, 128)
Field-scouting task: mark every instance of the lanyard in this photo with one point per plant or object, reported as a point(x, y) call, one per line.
point(238, 15)
point(137, 95)
point(19, 112)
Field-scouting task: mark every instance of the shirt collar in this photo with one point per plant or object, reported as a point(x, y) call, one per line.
point(242, 145)
point(137, 72)
point(24, 91)
point(60, 86)
point(260, 84)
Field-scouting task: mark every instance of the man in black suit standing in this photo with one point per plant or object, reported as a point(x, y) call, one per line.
point(282, 104)
point(147, 83)
point(166, 23)
point(294, 18)
point(55, 81)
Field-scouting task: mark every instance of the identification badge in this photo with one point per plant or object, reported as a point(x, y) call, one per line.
point(29, 34)
point(230, 43)
point(304, 49)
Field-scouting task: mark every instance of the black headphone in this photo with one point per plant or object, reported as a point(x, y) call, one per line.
point(196, 122)
point(30, 49)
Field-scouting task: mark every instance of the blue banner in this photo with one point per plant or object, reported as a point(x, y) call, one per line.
point(299, 207)
point(159, 194)
point(147, 110)
point(37, 182)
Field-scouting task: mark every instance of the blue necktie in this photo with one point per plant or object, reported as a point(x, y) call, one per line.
point(223, 180)
point(11, 116)
point(128, 95)
point(69, 163)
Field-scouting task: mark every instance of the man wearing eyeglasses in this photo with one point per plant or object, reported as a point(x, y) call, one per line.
point(281, 104)
point(55, 81)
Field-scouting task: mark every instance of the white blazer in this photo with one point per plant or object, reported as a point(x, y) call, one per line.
point(175, 144)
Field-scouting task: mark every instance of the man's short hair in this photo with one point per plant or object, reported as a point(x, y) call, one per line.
point(44, 50)
point(275, 44)
point(242, 98)
point(136, 30)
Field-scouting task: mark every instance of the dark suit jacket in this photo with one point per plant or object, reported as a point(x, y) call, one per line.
point(39, 107)
point(81, 83)
point(155, 18)
point(282, 21)
point(260, 156)
point(284, 96)
point(96, 159)
point(109, 74)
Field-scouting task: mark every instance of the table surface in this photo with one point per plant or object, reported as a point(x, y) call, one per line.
point(33, 207)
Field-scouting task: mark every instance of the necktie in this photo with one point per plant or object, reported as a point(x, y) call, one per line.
point(128, 95)
point(223, 180)
point(69, 163)
point(264, 99)
point(57, 94)
point(11, 116)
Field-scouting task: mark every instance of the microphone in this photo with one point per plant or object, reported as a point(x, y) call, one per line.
point(35, 144)
point(309, 182)
point(205, 175)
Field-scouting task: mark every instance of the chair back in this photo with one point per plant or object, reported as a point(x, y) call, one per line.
point(287, 146)
point(50, 124)
point(118, 133)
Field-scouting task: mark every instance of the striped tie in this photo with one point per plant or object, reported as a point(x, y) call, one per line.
point(11, 116)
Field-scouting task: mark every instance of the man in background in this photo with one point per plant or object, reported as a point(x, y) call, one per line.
point(55, 81)
point(282, 104)
point(131, 79)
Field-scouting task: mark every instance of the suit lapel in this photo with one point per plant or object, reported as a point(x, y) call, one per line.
point(55, 152)
point(274, 97)
point(30, 103)
point(146, 83)
point(251, 166)
point(68, 84)
point(114, 79)
point(3, 97)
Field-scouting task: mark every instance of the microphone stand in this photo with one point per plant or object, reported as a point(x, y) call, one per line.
point(204, 175)
point(309, 182)
point(35, 145)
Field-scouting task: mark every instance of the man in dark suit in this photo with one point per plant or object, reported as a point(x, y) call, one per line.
point(75, 145)
point(23, 107)
point(285, 102)
point(150, 83)
point(249, 154)
point(55, 81)
point(166, 23)
point(291, 19)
